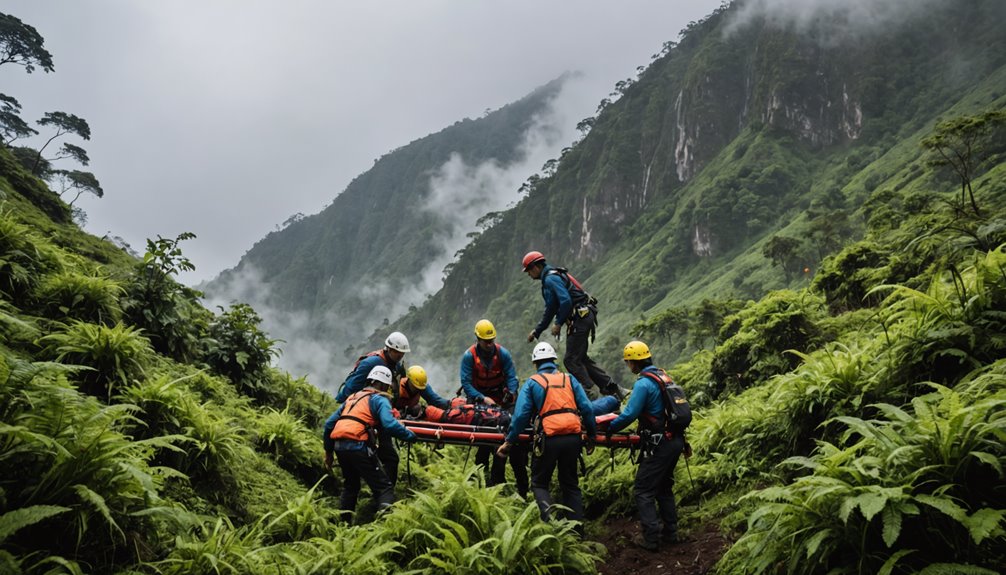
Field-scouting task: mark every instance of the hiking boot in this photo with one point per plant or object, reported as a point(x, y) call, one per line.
point(639, 541)
point(672, 537)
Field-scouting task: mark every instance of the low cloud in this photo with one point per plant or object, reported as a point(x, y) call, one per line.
point(832, 21)
point(460, 194)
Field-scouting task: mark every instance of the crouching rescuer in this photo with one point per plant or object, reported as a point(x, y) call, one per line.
point(663, 413)
point(563, 411)
point(352, 433)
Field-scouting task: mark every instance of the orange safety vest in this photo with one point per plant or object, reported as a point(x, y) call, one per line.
point(356, 419)
point(405, 399)
point(558, 414)
point(488, 379)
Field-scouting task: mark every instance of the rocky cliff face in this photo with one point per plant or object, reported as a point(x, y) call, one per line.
point(701, 155)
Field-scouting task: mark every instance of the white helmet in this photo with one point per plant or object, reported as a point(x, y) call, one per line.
point(543, 350)
point(398, 342)
point(381, 374)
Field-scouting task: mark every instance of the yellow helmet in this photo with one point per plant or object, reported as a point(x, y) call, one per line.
point(484, 329)
point(417, 375)
point(635, 350)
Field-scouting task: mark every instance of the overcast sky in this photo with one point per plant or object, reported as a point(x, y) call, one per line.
point(225, 117)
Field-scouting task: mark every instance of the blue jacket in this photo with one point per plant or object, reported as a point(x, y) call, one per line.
point(380, 408)
point(532, 396)
point(357, 379)
point(558, 302)
point(646, 398)
point(433, 399)
point(468, 366)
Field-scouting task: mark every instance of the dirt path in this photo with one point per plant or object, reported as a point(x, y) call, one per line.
point(696, 556)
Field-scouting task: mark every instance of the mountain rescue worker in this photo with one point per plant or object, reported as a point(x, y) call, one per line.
point(391, 357)
point(563, 412)
point(569, 305)
point(414, 386)
point(654, 485)
point(488, 376)
point(351, 433)
point(396, 345)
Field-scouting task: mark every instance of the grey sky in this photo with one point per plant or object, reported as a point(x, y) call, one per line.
point(225, 117)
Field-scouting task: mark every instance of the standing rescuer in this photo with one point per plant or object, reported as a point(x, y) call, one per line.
point(569, 305)
point(663, 432)
point(488, 376)
point(564, 412)
point(350, 433)
point(396, 345)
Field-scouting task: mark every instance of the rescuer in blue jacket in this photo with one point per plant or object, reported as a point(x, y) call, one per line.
point(569, 305)
point(654, 484)
point(563, 412)
point(488, 376)
point(396, 345)
point(349, 433)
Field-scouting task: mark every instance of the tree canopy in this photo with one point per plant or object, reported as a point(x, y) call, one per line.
point(21, 44)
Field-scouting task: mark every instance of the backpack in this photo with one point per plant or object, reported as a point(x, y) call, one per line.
point(576, 291)
point(677, 411)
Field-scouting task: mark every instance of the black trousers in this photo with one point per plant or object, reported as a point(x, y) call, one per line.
point(654, 489)
point(562, 452)
point(577, 362)
point(388, 455)
point(495, 467)
point(363, 464)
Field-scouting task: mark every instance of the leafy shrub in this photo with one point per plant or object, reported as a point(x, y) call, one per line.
point(93, 299)
point(82, 487)
point(846, 279)
point(24, 257)
point(457, 527)
point(953, 327)
point(287, 439)
point(756, 340)
point(239, 350)
point(908, 491)
point(168, 312)
point(113, 355)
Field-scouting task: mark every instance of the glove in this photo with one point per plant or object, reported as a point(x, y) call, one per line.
point(590, 443)
point(503, 450)
point(411, 438)
point(395, 413)
point(607, 437)
point(532, 336)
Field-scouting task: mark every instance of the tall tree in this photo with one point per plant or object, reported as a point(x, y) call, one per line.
point(782, 250)
point(963, 144)
point(12, 127)
point(64, 124)
point(78, 181)
point(21, 44)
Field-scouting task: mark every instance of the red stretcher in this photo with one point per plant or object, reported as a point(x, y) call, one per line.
point(446, 433)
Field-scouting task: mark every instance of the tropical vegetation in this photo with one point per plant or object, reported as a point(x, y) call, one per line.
point(849, 418)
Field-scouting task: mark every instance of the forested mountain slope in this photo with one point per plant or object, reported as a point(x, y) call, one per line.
point(739, 132)
point(381, 244)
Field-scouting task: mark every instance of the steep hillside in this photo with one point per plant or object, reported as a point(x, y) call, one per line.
point(387, 237)
point(737, 133)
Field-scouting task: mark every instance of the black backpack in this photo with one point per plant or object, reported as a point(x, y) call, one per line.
point(677, 411)
point(576, 291)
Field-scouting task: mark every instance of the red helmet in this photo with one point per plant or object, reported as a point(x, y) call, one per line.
point(532, 258)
